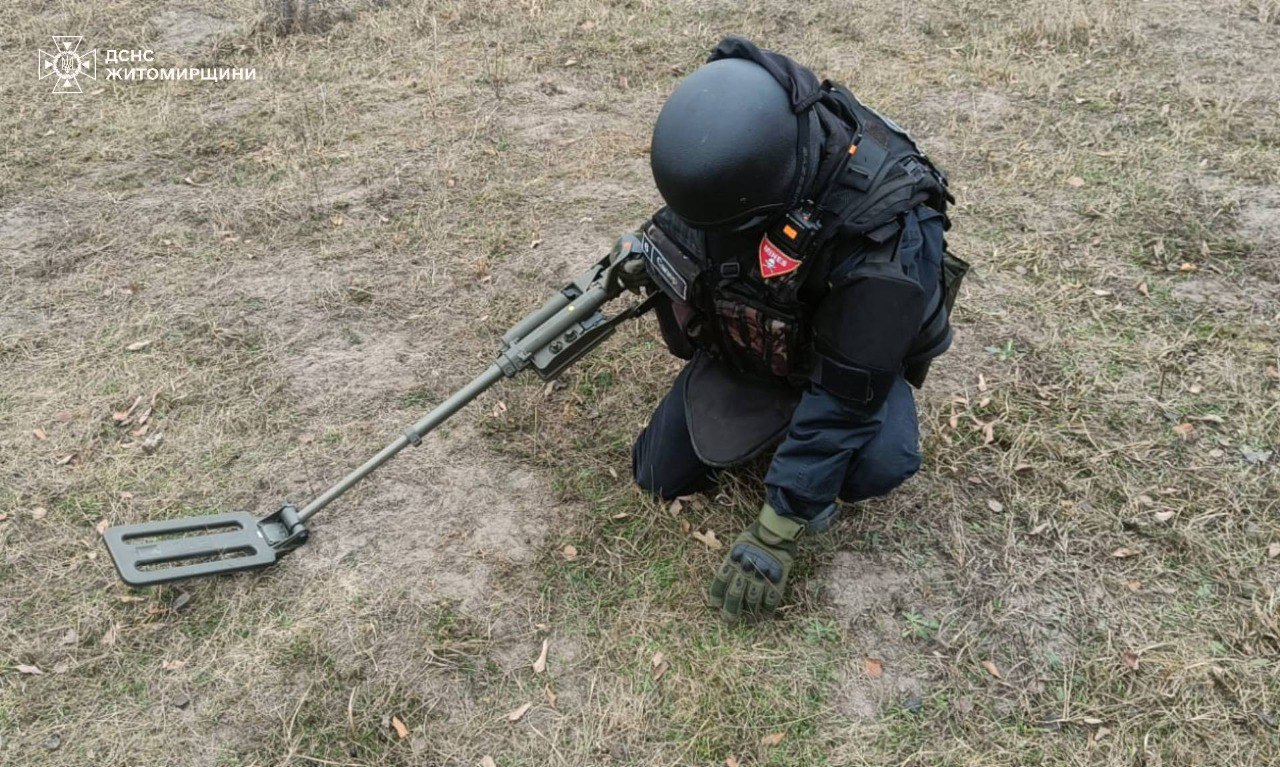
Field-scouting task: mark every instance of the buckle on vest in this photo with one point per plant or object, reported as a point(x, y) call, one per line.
point(730, 270)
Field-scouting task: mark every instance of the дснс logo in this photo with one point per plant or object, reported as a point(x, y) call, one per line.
point(66, 63)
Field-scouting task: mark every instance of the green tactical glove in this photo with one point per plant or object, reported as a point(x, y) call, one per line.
point(754, 575)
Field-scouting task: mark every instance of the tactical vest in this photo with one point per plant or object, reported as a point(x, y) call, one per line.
point(750, 302)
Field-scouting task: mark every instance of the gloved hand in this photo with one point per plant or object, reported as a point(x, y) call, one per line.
point(631, 273)
point(753, 577)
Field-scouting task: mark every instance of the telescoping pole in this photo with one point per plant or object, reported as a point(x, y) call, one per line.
point(431, 420)
point(556, 316)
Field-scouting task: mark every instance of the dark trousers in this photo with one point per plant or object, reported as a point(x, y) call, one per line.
point(664, 463)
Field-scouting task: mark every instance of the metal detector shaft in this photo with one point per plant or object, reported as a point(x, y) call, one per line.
point(431, 420)
point(536, 331)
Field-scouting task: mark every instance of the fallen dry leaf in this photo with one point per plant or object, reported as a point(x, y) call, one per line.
point(109, 638)
point(1143, 289)
point(731, 761)
point(401, 731)
point(676, 507)
point(1075, 181)
point(540, 665)
point(1124, 552)
point(1187, 266)
point(122, 416)
point(33, 670)
point(1185, 430)
point(988, 433)
point(1273, 550)
point(773, 740)
point(137, 346)
point(685, 526)
point(569, 552)
point(64, 460)
point(873, 666)
point(487, 761)
point(1163, 516)
point(516, 714)
point(990, 666)
point(39, 434)
point(659, 663)
point(1130, 659)
point(64, 416)
point(709, 539)
point(1134, 585)
point(551, 697)
point(102, 526)
point(173, 665)
point(39, 512)
point(995, 505)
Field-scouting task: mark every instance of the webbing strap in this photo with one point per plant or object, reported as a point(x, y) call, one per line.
point(857, 384)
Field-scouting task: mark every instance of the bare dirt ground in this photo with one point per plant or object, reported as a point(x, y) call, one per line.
point(282, 273)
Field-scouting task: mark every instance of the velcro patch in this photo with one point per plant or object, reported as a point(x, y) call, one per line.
point(773, 262)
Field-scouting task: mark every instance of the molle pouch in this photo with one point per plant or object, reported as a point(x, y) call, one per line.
point(671, 267)
point(953, 271)
point(759, 339)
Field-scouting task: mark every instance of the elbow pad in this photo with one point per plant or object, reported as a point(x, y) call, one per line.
point(863, 330)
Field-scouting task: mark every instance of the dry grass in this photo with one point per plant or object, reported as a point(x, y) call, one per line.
point(317, 256)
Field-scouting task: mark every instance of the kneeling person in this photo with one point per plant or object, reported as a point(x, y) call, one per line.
point(805, 277)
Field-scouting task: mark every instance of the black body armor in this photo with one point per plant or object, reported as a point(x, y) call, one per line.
point(819, 292)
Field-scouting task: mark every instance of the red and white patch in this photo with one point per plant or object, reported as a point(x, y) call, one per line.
point(773, 262)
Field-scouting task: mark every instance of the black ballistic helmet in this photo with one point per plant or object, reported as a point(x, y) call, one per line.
point(724, 147)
